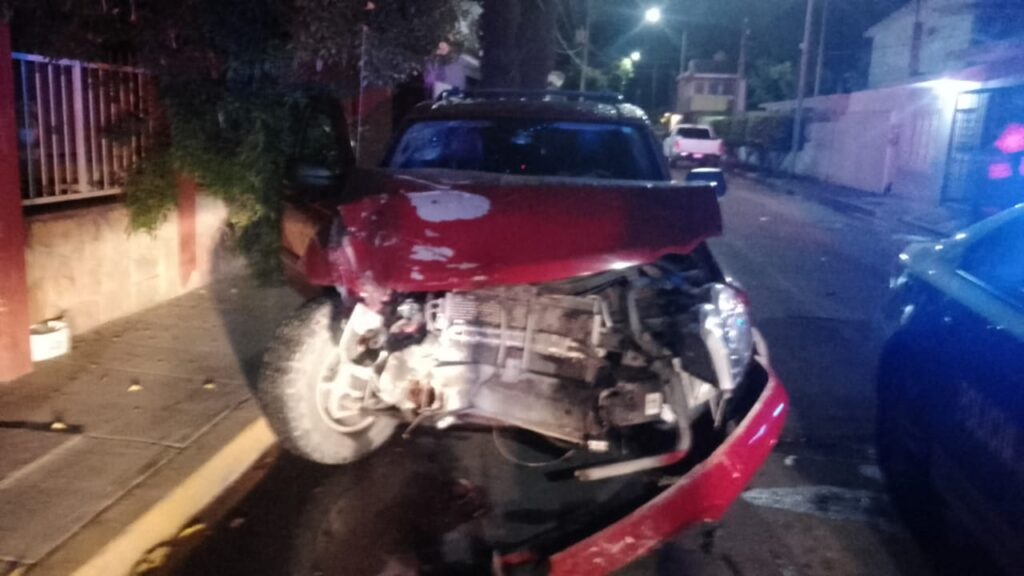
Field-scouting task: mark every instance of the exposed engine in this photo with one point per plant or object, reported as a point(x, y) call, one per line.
point(582, 361)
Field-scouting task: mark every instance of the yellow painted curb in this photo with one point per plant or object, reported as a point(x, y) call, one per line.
point(165, 518)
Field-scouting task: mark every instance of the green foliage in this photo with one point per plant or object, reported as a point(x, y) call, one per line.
point(762, 130)
point(732, 130)
point(150, 191)
point(329, 33)
point(234, 77)
point(721, 127)
point(235, 146)
point(772, 132)
point(765, 136)
point(619, 75)
point(612, 78)
point(769, 81)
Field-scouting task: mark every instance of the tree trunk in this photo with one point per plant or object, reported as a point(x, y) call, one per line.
point(518, 43)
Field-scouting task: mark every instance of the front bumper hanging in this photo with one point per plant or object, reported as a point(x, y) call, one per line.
point(702, 495)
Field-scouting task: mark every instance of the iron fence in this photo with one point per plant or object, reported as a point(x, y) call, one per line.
point(81, 126)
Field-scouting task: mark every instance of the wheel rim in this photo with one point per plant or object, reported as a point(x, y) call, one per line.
point(339, 408)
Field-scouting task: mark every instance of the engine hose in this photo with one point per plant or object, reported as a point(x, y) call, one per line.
point(508, 456)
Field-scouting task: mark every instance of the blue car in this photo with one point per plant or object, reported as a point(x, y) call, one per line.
point(951, 395)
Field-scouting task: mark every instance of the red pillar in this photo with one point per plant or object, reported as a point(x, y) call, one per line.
point(186, 229)
point(14, 320)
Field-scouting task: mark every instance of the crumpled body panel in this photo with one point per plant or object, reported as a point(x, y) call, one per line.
point(436, 231)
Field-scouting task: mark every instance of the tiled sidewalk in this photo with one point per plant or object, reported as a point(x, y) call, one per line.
point(93, 442)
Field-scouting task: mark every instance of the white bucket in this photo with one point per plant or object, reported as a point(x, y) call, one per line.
point(49, 339)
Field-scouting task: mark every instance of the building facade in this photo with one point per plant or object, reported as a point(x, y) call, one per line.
point(709, 89)
point(925, 38)
point(943, 123)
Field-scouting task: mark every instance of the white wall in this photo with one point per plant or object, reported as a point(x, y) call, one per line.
point(947, 26)
point(890, 48)
point(876, 138)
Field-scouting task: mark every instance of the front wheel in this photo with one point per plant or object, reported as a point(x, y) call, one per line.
point(297, 393)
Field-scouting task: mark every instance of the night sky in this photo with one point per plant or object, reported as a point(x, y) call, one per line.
point(776, 27)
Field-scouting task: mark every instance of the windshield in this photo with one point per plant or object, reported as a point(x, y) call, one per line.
point(529, 147)
point(694, 133)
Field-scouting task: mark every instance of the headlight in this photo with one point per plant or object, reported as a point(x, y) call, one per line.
point(726, 330)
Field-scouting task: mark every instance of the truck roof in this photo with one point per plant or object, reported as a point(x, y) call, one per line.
point(550, 106)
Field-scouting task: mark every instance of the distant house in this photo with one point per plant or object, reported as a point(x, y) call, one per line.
point(710, 88)
point(930, 37)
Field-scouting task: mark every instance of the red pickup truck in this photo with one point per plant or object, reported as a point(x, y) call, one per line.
point(524, 261)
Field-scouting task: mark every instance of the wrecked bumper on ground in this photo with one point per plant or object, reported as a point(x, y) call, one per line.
point(701, 495)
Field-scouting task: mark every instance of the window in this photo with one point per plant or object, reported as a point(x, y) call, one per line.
point(693, 133)
point(698, 87)
point(997, 260)
point(530, 148)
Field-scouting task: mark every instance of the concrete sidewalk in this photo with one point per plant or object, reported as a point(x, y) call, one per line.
point(944, 220)
point(115, 447)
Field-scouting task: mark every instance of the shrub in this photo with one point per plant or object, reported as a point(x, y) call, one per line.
point(150, 191)
point(771, 132)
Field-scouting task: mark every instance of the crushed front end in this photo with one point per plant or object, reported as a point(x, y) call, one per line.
point(593, 316)
point(600, 363)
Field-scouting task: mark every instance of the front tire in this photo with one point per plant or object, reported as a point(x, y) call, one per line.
point(295, 368)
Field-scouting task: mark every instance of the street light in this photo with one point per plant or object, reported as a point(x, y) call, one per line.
point(635, 55)
point(654, 16)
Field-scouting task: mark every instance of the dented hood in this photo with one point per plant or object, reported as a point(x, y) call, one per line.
point(443, 230)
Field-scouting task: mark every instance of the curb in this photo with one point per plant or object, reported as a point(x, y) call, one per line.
point(826, 200)
point(927, 227)
point(842, 205)
point(156, 510)
point(849, 207)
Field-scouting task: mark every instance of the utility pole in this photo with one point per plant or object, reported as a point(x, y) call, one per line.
point(654, 87)
point(741, 69)
point(360, 109)
point(683, 40)
point(801, 85)
point(915, 41)
point(821, 47)
point(589, 7)
point(741, 64)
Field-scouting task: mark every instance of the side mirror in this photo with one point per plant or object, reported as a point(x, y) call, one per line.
point(713, 177)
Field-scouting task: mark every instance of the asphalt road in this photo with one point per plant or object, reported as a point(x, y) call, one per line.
point(816, 280)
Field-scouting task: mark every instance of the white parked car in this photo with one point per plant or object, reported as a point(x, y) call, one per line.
point(694, 144)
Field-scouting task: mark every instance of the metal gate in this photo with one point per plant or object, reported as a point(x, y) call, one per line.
point(965, 148)
point(82, 126)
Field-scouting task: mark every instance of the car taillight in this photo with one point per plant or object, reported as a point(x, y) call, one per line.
point(679, 145)
point(721, 148)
